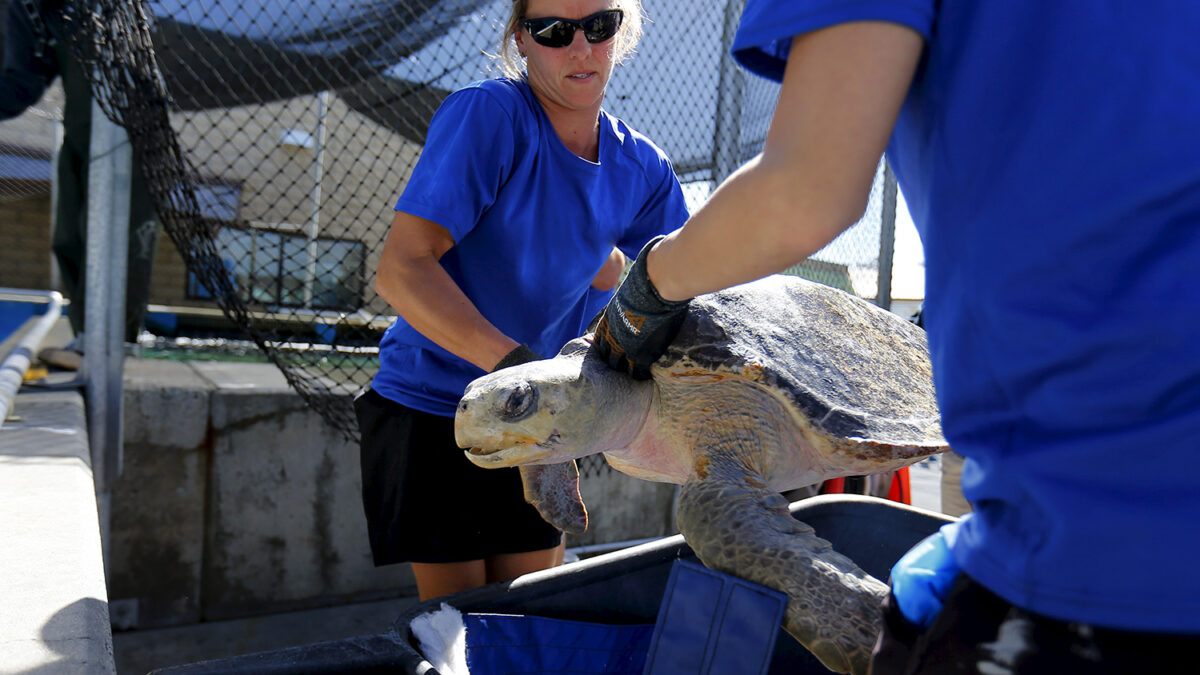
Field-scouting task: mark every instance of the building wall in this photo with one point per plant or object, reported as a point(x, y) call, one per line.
point(169, 280)
point(25, 252)
point(25, 242)
point(364, 169)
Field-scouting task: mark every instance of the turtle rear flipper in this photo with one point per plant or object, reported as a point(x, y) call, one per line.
point(736, 525)
point(553, 489)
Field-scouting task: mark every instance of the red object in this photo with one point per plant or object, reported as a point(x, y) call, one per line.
point(900, 489)
point(833, 486)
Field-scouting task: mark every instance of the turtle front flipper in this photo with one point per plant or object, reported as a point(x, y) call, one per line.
point(736, 525)
point(553, 489)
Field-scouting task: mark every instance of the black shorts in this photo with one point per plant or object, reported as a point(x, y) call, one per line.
point(426, 502)
point(977, 631)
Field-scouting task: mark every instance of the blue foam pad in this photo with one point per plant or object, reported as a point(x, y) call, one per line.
point(711, 623)
point(505, 644)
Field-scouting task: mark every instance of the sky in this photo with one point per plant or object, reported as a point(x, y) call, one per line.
point(908, 265)
point(908, 272)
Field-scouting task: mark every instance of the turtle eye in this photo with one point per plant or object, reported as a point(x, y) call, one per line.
point(520, 403)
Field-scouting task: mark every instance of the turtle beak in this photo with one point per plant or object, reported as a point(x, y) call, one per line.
point(521, 415)
point(483, 425)
point(467, 427)
point(519, 452)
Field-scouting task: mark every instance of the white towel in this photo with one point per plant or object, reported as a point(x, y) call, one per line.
point(443, 639)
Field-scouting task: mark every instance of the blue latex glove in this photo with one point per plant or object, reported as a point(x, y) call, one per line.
point(922, 578)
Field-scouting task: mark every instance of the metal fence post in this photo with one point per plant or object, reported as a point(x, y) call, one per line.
point(731, 91)
point(109, 177)
point(887, 238)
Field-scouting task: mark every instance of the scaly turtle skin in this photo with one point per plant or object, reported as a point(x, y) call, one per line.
point(769, 386)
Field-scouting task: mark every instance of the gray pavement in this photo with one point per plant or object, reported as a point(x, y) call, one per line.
point(138, 652)
point(925, 479)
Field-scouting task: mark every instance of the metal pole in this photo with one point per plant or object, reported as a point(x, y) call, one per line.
point(887, 238)
point(55, 273)
point(109, 178)
point(731, 90)
point(314, 218)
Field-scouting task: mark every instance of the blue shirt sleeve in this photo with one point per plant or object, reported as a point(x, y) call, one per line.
point(468, 156)
point(764, 36)
point(664, 211)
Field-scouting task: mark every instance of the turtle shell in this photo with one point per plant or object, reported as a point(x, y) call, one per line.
point(853, 370)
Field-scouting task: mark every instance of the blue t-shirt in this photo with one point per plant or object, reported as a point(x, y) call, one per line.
point(1050, 154)
point(532, 224)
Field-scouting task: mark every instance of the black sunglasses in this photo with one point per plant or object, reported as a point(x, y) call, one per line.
point(552, 31)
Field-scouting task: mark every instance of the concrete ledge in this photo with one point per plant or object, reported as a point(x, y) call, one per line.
point(54, 617)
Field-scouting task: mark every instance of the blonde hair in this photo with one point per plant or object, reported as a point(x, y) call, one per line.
point(625, 43)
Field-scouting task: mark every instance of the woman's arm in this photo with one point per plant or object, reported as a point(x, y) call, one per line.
point(610, 273)
point(413, 282)
point(842, 90)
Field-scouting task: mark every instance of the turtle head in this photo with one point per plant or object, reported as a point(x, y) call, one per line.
point(550, 411)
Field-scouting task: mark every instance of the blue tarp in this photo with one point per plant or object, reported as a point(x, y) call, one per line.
point(504, 644)
point(709, 623)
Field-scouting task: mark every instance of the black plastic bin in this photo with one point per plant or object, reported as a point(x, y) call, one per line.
point(624, 587)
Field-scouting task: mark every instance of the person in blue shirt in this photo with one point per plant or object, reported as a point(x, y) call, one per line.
point(508, 238)
point(1050, 155)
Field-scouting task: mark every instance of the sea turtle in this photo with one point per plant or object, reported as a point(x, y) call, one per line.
point(768, 386)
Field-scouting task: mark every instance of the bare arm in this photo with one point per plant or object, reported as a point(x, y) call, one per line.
point(415, 284)
point(610, 273)
point(842, 91)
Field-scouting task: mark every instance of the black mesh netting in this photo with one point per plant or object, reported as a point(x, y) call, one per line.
point(276, 136)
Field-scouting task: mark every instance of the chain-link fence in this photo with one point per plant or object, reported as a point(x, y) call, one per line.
point(25, 168)
point(277, 135)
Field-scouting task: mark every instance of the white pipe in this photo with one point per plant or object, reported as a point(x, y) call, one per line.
point(16, 364)
point(607, 547)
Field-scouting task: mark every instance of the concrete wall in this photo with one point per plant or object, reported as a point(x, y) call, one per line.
point(234, 500)
point(365, 169)
point(237, 500)
point(622, 508)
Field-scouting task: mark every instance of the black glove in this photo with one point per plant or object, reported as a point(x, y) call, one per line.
point(522, 354)
point(638, 324)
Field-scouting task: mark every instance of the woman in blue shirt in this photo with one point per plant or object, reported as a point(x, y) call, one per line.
point(1048, 153)
point(507, 240)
